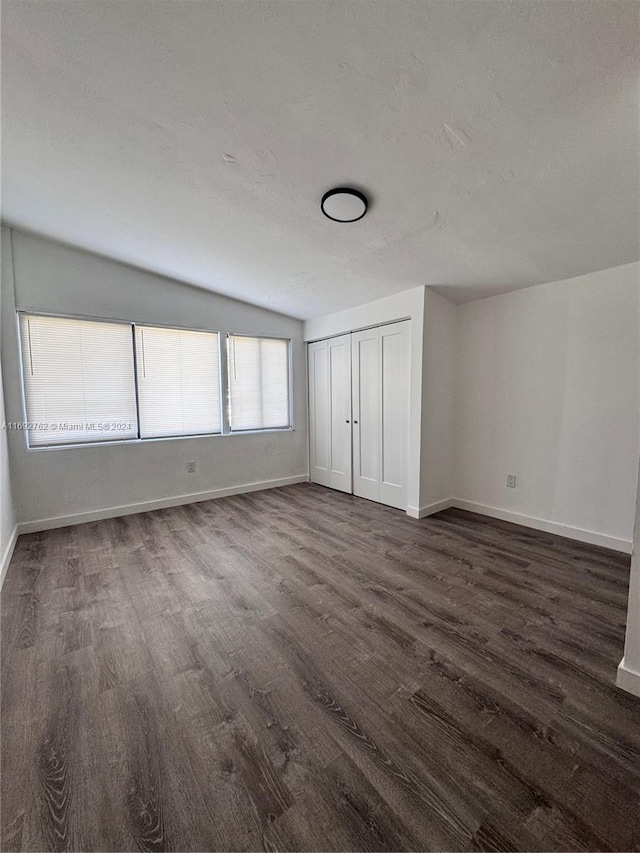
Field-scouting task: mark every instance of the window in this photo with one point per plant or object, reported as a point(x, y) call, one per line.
point(91, 380)
point(258, 383)
point(78, 380)
point(178, 382)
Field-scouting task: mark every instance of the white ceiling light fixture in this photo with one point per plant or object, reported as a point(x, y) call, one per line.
point(344, 204)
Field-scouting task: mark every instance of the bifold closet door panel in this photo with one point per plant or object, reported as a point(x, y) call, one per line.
point(394, 371)
point(340, 405)
point(365, 389)
point(319, 413)
point(330, 412)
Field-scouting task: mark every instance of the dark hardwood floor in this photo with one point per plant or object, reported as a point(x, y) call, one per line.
point(299, 669)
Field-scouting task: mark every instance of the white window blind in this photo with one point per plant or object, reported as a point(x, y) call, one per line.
point(258, 383)
point(78, 380)
point(178, 382)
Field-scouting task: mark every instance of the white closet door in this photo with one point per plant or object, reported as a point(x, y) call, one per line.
point(330, 412)
point(319, 413)
point(365, 387)
point(394, 415)
point(380, 388)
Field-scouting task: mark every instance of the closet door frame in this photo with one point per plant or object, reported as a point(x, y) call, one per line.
point(359, 410)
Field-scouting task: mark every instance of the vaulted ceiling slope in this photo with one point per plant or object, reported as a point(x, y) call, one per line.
point(499, 140)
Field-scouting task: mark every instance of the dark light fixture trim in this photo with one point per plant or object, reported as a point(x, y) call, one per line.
point(348, 191)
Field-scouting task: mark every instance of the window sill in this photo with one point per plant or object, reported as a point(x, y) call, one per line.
point(119, 443)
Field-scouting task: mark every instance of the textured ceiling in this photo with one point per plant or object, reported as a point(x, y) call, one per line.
point(498, 140)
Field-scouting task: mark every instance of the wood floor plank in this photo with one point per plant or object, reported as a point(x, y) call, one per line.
point(299, 669)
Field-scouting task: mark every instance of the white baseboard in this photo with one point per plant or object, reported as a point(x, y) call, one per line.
point(146, 506)
point(624, 546)
point(5, 558)
point(429, 509)
point(628, 679)
point(588, 536)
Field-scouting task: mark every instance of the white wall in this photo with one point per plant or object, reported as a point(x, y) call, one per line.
point(53, 483)
point(436, 466)
point(547, 389)
point(629, 669)
point(7, 515)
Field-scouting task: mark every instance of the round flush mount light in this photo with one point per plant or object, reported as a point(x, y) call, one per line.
point(344, 204)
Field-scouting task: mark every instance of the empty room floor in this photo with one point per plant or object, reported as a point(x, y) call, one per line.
point(299, 669)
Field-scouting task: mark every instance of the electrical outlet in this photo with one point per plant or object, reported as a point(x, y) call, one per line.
point(191, 467)
point(511, 481)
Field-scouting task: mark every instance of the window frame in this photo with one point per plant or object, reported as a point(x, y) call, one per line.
point(137, 381)
point(223, 343)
